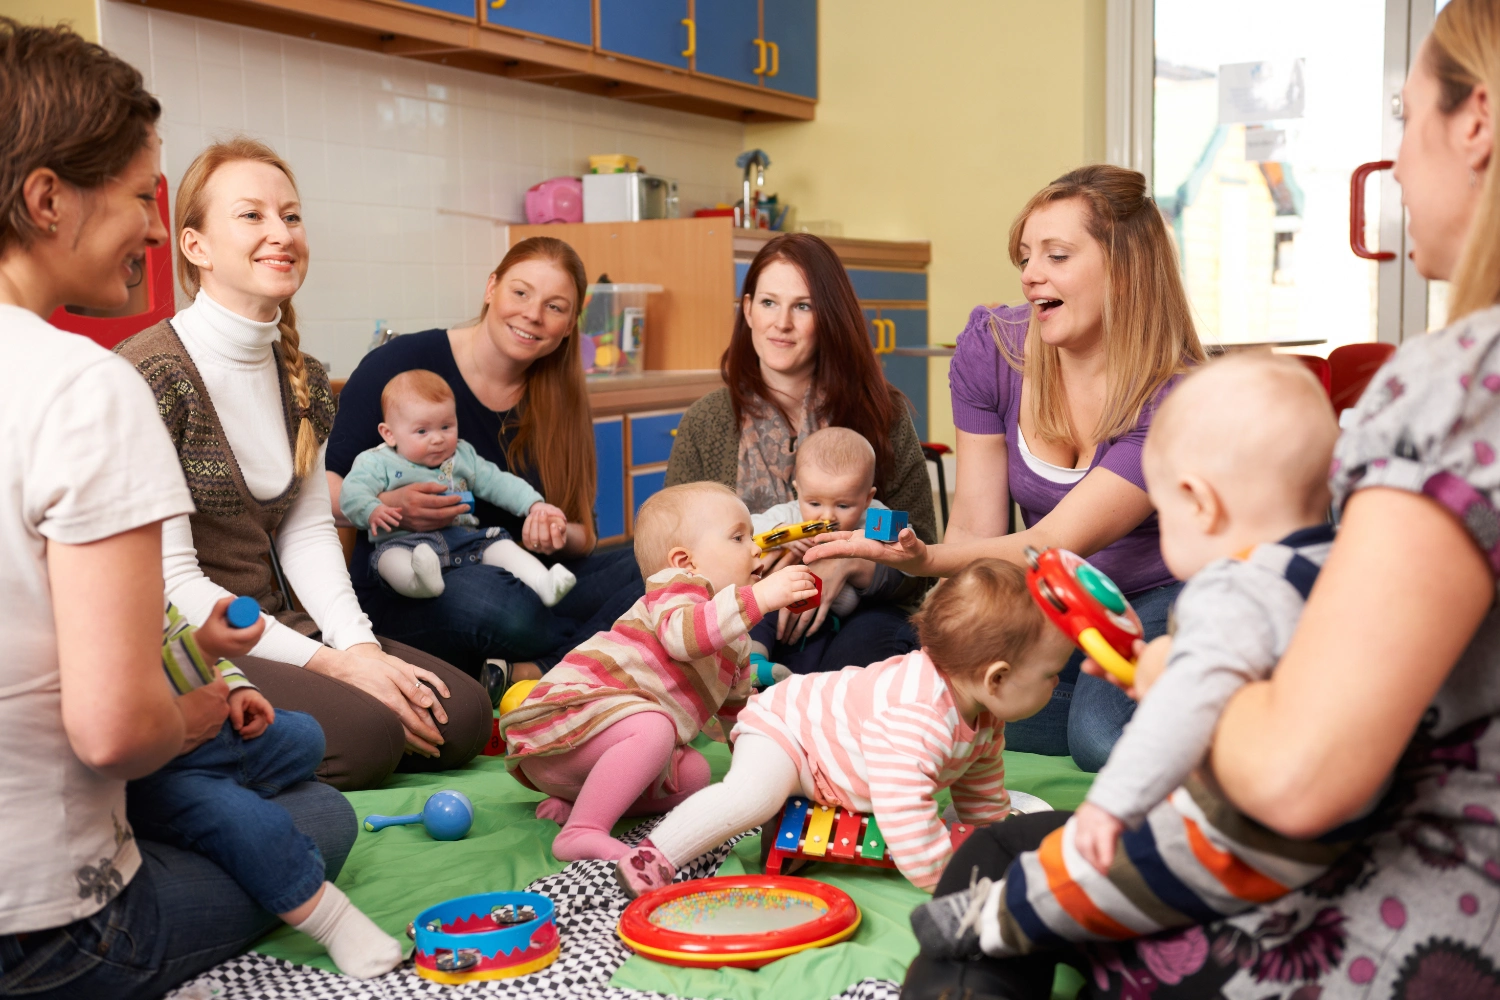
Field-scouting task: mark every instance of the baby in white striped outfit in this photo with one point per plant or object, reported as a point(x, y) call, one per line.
point(884, 739)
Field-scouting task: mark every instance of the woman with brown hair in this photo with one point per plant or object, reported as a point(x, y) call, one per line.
point(519, 390)
point(799, 360)
point(87, 479)
point(249, 412)
point(1390, 687)
point(1051, 402)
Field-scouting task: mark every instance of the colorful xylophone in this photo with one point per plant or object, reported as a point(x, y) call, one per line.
point(810, 832)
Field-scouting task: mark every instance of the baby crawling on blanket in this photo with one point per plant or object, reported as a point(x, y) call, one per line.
point(606, 731)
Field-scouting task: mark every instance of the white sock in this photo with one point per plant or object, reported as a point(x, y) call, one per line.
point(414, 572)
point(989, 921)
point(548, 584)
point(356, 945)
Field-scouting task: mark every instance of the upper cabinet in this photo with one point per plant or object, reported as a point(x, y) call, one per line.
point(460, 8)
point(728, 40)
point(659, 31)
point(790, 31)
point(564, 20)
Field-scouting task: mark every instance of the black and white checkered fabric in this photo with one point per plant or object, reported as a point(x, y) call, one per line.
point(589, 903)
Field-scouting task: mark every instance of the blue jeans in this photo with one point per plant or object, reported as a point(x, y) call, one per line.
point(867, 636)
point(179, 916)
point(216, 800)
point(1086, 714)
point(485, 612)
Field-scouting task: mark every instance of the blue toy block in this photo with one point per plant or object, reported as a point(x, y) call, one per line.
point(884, 525)
point(243, 612)
point(465, 495)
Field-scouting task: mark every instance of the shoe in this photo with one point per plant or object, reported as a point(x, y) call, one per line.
point(643, 870)
point(948, 927)
point(495, 675)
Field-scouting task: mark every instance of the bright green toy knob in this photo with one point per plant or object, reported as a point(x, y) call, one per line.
point(1102, 589)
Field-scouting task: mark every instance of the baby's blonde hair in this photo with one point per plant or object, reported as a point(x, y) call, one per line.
point(837, 451)
point(415, 383)
point(664, 520)
point(1259, 427)
point(982, 614)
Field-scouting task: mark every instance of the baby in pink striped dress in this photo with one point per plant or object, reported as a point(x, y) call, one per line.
point(605, 734)
point(885, 738)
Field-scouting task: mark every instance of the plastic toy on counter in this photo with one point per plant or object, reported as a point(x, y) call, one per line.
point(613, 327)
point(492, 935)
point(557, 200)
point(243, 612)
point(744, 921)
point(786, 533)
point(884, 525)
point(1087, 606)
point(448, 815)
point(807, 831)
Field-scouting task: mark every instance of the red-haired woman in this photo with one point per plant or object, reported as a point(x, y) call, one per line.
point(522, 403)
point(800, 360)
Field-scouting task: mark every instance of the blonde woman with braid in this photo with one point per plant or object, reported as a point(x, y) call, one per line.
point(249, 413)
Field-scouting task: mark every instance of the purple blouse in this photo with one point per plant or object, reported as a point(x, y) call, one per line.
point(987, 400)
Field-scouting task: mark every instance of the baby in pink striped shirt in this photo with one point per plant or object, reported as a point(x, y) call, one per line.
point(885, 738)
point(605, 734)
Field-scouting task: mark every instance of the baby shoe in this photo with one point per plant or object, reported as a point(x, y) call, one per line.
point(644, 869)
point(948, 926)
point(495, 675)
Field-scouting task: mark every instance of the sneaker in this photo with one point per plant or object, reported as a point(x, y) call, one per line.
point(495, 675)
point(643, 870)
point(948, 927)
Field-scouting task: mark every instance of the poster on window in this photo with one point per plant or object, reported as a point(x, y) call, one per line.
point(1261, 91)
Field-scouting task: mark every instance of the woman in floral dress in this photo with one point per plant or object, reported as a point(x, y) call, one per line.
point(1395, 670)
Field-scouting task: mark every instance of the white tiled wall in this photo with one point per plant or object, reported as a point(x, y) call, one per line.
point(388, 152)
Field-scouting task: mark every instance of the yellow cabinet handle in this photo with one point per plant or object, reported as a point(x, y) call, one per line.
point(775, 59)
point(496, 4)
point(885, 336)
point(673, 432)
point(760, 70)
point(692, 37)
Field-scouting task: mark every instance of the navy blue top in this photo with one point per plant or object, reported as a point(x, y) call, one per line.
point(355, 429)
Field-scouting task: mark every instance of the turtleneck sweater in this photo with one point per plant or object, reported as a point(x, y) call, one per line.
point(234, 357)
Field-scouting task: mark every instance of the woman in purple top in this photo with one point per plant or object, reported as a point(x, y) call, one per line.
point(1051, 401)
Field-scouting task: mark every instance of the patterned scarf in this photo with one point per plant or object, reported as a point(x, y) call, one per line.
point(768, 453)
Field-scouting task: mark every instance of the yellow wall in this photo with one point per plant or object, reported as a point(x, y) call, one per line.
point(81, 14)
point(937, 121)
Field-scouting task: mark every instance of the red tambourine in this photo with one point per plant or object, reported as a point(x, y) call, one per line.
point(744, 921)
point(1087, 606)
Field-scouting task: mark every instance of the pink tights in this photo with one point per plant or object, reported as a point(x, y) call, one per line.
point(614, 774)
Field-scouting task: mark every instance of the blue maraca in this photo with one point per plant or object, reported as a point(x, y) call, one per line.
point(447, 816)
point(243, 612)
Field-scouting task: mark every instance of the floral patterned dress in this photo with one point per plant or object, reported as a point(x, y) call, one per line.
point(1412, 911)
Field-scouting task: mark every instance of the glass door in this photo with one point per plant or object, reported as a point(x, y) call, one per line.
point(1263, 116)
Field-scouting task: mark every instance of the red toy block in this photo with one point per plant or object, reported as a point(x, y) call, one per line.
point(496, 746)
point(811, 602)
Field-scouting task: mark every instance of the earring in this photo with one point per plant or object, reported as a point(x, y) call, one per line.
point(52, 228)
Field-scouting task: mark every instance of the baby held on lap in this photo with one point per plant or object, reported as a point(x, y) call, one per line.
point(605, 733)
point(1236, 465)
point(422, 445)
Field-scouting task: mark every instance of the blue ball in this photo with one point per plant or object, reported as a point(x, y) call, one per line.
point(243, 612)
point(448, 815)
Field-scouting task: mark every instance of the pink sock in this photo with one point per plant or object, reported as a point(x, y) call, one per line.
point(612, 775)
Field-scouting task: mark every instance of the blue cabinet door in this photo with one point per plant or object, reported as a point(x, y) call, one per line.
point(609, 453)
point(791, 29)
point(463, 8)
point(645, 29)
point(727, 33)
point(643, 485)
point(874, 284)
point(651, 437)
point(909, 374)
point(568, 20)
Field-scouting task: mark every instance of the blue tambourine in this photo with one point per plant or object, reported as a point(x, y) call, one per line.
point(493, 935)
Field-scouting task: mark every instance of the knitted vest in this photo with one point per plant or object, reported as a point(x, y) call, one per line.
point(232, 530)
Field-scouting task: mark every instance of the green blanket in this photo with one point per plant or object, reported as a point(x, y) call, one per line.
point(394, 874)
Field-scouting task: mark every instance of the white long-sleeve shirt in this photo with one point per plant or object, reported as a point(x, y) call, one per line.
point(234, 357)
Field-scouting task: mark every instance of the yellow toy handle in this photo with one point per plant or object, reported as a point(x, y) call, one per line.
point(1102, 653)
point(768, 540)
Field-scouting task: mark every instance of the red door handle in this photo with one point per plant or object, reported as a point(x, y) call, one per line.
point(1357, 210)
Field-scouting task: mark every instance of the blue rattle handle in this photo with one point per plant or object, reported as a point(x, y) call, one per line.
point(374, 823)
point(243, 612)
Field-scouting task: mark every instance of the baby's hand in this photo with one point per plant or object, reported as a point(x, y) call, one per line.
point(250, 712)
point(220, 640)
point(1150, 662)
point(1094, 834)
point(384, 517)
point(795, 583)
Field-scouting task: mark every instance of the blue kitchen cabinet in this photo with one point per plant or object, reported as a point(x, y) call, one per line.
point(642, 486)
point(609, 453)
point(651, 437)
point(907, 328)
point(874, 285)
point(652, 30)
point(463, 8)
point(728, 33)
point(566, 20)
point(791, 32)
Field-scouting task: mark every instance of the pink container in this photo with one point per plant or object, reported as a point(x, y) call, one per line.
point(557, 200)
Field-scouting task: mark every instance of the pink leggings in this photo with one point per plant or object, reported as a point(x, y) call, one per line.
point(616, 773)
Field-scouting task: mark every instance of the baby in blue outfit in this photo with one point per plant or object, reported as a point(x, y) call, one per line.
point(422, 445)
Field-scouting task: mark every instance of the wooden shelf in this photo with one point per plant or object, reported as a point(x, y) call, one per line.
point(432, 36)
point(912, 254)
point(619, 394)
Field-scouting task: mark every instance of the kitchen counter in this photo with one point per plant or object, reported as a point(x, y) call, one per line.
point(650, 391)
